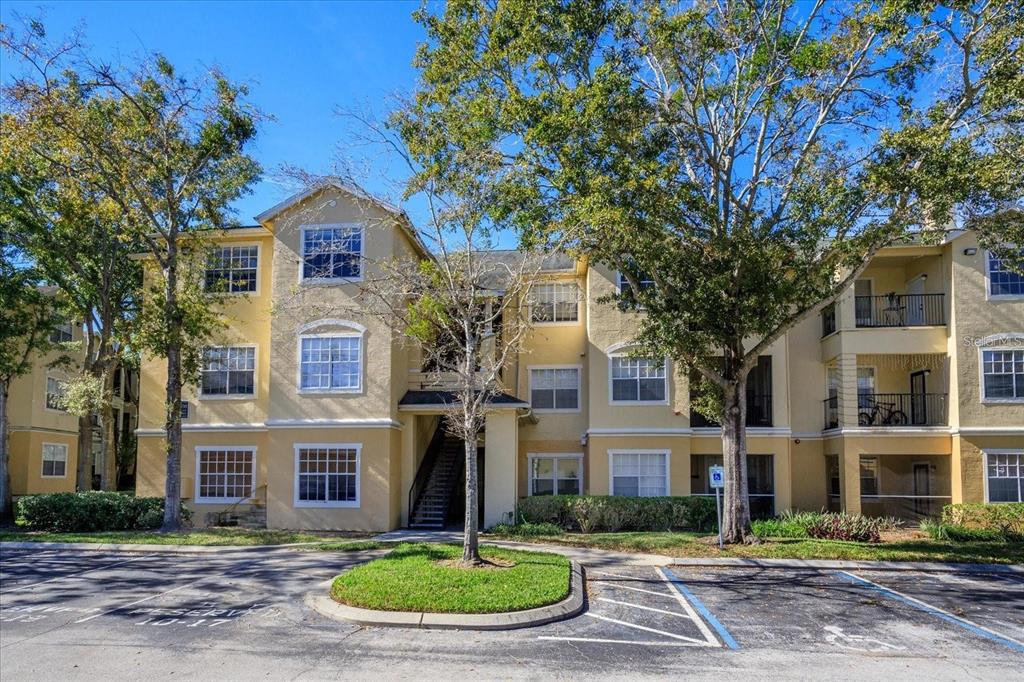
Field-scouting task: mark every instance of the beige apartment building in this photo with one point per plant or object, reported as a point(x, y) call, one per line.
point(905, 395)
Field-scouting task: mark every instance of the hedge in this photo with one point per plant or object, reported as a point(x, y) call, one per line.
point(91, 511)
point(608, 514)
point(1005, 519)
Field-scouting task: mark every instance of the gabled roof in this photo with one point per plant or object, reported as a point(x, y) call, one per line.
point(354, 191)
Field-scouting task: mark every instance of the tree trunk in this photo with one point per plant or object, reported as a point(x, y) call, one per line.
point(172, 426)
point(108, 477)
point(470, 538)
point(83, 470)
point(736, 506)
point(6, 500)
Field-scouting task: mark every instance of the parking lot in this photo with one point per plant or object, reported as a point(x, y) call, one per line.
point(234, 615)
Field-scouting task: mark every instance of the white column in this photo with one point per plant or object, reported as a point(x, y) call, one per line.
point(501, 450)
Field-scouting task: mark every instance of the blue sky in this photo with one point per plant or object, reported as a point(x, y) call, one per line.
point(300, 59)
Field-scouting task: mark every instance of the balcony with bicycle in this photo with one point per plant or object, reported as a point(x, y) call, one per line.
point(901, 409)
point(887, 391)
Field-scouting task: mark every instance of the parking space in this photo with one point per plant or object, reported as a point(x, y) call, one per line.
point(199, 616)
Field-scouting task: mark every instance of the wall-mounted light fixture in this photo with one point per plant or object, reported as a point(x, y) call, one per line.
point(970, 251)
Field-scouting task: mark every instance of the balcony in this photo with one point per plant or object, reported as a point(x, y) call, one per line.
point(901, 409)
point(831, 412)
point(899, 310)
point(759, 412)
point(828, 320)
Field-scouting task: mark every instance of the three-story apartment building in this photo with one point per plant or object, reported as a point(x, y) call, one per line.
point(905, 395)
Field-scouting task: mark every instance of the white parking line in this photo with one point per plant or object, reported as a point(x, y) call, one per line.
point(617, 641)
point(71, 575)
point(144, 599)
point(704, 630)
point(644, 608)
point(635, 589)
point(696, 642)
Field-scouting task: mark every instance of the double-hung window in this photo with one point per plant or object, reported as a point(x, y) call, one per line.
point(638, 380)
point(225, 474)
point(330, 363)
point(555, 302)
point(55, 460)
point(869, 476)
point(228, 371)
point(1005, 474)
point(232, 269)
point(62, 333)
point(556, 474)
point(639, 473)
point(55, 392)
point(332, 252)
point(327, 475)
point(555, 388)
point(1004, 280)
point(1003, 374)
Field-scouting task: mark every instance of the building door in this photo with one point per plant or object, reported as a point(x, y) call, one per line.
point(915, 302)
point(863, 303)
point(922, 488)
point(918, 398)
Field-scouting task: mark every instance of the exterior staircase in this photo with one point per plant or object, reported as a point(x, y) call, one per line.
point(437, 482)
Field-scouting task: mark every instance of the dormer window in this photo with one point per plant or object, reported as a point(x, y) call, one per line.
point(332, 252)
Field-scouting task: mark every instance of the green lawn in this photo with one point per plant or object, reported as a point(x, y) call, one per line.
point(687, 545)
point(411, 579)
point(204, 536)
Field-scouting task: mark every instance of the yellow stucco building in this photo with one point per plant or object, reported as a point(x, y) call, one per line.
point(905, 395)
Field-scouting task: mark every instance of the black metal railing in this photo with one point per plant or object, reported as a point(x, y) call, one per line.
point(426, 466)
point(828, 320)
point(759, 412)
point(832, 412)
point(901, 409)
point(900, 310)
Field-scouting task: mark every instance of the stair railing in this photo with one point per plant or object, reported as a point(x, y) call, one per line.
point(426, 467)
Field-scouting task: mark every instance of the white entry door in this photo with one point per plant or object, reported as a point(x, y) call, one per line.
point(915, 302)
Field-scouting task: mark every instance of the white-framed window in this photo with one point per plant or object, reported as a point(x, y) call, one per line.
point(327, 474)
point(331, 363)
point(228, 371)
point(556, 474)
point(62, 333)
point(555, 302)
point(643, 279)
point(865, 387)
point(554, 389)
point(869, 485)
point(55, 460)
point(1003, 281)
point(225, 473)
point(1004, 475)
point(1002, 374)
point(639, 473)
point(637, 380)
point(55, 392)
point(332, 252)
point(233, 269)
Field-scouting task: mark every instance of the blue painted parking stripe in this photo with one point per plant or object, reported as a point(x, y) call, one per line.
point(935, 611)
point(702, 610)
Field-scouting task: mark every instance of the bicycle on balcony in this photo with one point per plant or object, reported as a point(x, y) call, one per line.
point(881, 413)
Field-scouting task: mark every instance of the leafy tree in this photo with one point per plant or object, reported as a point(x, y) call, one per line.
point(163, 150)
point(750, 158)
point(26, 320)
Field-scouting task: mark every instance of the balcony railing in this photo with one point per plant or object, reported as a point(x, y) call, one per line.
point(828, 320)
point(900, 310)
point(832, 412)
point(759, 412)
point(901, 409)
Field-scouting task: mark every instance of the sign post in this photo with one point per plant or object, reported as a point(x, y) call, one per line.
point(716, 475)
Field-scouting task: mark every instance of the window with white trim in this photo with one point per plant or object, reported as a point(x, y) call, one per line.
point(869, 476)
point(62, 333)
point(639, 474)
point(55, 460)
point(332, 252)
point(1005, 473)
point(556, 388)
point(1003, 374)
point(638, 380)
point(1002, 279)
point(327, 475)
point(225, 474)
point(55, 392)
point(228, 371)
point(330, 363)
point(556, 474)
point(232, 269)
point(555, 302)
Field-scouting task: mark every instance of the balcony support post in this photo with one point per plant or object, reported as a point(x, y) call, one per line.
point(848, 404)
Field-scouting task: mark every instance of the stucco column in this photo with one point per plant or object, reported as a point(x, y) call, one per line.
point(408, 458)
point(846, 310)
point(501, 447)
point(849, 479)
point(783, 464)
point(848, 390)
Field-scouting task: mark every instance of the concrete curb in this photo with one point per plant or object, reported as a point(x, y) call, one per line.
point(156, 549)
point(567, 608)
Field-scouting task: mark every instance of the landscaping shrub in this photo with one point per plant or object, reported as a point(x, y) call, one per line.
point(788, 524)
point(937, 530)
point(1004, 521)
point(609, 514)
point(91, 511)
point(843, 526)
point(525, 529)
